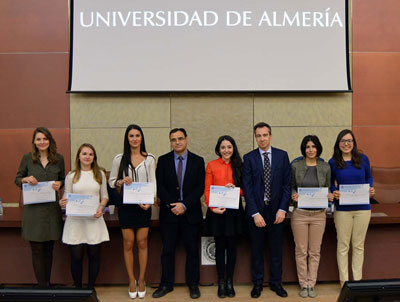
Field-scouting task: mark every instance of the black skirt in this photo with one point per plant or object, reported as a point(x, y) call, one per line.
point(132, 216)
point(230, 223)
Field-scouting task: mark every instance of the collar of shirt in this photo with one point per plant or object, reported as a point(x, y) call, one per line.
point(222, 162)
point(184, 156)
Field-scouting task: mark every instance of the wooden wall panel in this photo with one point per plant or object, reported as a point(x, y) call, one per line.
point(33, 90)
point(380, 144)
point(376, 25)
point(34, 26)
point(376, 89)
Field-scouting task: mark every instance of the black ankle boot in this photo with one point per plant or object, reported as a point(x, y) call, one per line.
point(221, 289)
point(230, 291)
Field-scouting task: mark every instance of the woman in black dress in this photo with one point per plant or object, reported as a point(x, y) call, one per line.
point(224, 224)
point(134, 165)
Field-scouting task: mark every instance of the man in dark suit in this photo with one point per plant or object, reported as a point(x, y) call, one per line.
point(180, 184)
point(266, 186)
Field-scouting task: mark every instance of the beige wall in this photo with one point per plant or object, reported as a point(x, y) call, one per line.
point(102, 119)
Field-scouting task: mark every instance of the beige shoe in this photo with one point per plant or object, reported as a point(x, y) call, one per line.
point(311, 292)
point(303, 292)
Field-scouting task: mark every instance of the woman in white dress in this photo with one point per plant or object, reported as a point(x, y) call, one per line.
point(88, 233)
point(134, 165)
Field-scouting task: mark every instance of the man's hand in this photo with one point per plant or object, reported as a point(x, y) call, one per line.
point(178, 208)
point(280, 216)
point(259, 221)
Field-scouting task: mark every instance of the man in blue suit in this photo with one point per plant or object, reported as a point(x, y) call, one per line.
point(266, 185)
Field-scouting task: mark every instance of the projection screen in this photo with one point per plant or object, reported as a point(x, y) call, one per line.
point(209, 45)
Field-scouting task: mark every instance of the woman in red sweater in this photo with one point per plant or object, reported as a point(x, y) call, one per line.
point(222, 223)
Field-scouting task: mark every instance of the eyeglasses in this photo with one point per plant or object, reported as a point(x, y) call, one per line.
point(174, 140)
point(344, 141)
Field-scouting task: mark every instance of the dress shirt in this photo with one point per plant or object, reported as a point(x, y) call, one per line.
point(184, 162)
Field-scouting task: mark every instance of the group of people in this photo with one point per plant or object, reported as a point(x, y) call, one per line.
point(266, 178)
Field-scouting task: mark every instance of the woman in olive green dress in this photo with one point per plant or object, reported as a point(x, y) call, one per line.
point(41, 222)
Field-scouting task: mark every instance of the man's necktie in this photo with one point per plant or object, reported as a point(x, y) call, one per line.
point(179, 173)
point(267, 178)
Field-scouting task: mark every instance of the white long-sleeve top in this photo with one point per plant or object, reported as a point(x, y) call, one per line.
point(144, 172)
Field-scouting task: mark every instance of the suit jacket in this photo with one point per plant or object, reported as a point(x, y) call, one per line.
point(253, 181)
point(168, 189)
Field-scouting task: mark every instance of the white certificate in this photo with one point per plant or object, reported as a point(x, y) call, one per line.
point(139, 192)
point(354, 194)
point(224, 197)
point(40, 193)
point(82, 205)
point(312, 198)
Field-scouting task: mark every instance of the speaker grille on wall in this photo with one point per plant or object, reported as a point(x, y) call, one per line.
point(17, 294)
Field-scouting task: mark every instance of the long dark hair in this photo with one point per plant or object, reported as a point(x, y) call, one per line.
point(236, 161)
point(52, 150)
point(126, 157)
point(355, 153)
point(95, 167)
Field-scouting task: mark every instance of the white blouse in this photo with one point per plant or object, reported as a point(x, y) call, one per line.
point(144, 172)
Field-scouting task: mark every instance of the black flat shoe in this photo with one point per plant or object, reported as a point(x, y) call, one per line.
point(256, 291)
point(162, 291)
point(278, 288)
point(221, 289)
point(194, 292)
point(230, 291)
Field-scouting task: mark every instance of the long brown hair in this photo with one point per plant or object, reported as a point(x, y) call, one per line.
point(52, 150)
point(355, 153)
point(95, 167)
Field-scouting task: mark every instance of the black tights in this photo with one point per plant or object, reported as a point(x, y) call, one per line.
point(42, 259)
point(77, 252)
point(227, 243)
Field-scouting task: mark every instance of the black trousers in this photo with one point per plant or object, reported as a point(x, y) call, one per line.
point(170, 232)
point(77, 254)
point(228, 244)
point(275, 240)
point(42, 260)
